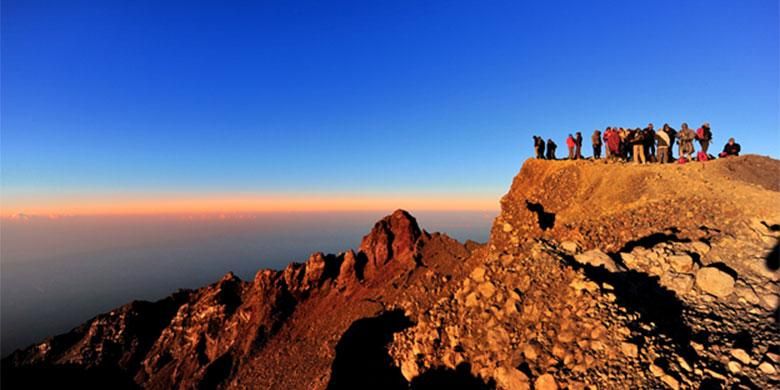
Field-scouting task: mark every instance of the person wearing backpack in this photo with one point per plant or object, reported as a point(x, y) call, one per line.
point(570, 143)
point(662, 137)
point(578, 146)
point(686, 136)
point(539, 147)
point(596, 140)
point(551, 146)
point(704, 136)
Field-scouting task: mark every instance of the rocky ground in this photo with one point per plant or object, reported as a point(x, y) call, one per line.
point(617, 276)
point(596, 275)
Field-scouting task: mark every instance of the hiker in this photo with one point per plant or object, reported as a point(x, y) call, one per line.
point(637, 139)
point(704, 136)
point(731, 149)
point(607, 134)
point(648, 135)
point(539, 147)
point(570, 143)
point(662, 137)
point(578, 146)
point(596, 140)
point(672, 136)
point(686, 136)
point(625, 151)
point(614, 144)
point(551, 146)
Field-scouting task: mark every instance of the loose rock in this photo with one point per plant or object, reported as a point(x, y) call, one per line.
point(714, 281)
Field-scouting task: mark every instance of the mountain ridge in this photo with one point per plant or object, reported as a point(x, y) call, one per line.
point(573, 238)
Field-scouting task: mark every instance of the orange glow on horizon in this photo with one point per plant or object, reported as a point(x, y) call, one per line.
point(157, 205)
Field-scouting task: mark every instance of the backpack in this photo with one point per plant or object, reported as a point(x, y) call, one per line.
point(700, 133)
point(701, 156)
point(682, 160)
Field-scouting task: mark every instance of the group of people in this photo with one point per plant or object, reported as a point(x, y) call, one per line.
point(641, 145)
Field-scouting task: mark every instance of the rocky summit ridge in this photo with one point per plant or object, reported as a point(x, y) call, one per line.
point(596, 275)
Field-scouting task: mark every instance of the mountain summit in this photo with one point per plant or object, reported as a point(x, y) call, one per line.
point(596, 274)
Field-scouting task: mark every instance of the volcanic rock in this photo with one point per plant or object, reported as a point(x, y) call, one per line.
point(714, 281)
point(408, 308)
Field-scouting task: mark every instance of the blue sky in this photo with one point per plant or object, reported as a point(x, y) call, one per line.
point(359, 97)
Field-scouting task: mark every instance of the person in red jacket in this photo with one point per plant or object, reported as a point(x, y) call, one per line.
point(570, 143)
point(613, 143)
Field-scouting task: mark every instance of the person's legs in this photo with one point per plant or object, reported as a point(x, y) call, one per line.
point(571, 152)
point(642, 158)
point(704, 146)
point(662, 155)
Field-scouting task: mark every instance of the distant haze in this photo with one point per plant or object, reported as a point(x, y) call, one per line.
point(57, 273)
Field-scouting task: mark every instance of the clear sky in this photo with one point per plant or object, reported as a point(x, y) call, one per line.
point(105, 102)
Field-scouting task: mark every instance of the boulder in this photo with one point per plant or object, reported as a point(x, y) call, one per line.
point(478, 274)
point(511, 378)
point(671, 382)
point(629, 349)
point(767, 368)
point(597, 258)
point(741, 355)
point(680, 263)
point(628, 259)
point(545, 382)
point(487, 289)
point(679, 283)
point(701, 247)
point(570, 246)
point(715, 282)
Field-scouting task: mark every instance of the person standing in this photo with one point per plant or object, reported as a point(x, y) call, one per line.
point(638, 145)
point(570, 143)
point(649, 142)
point(704, 136)
point(578, 146)
point(613, 143)
point(625, 149)
point(539, 147)
point(672, 137)
point(686, 136)
point(607, 134)
point(596, 140)
point(662, 137)
point(551, 146)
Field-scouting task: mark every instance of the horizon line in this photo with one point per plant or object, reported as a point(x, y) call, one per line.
point(233, 205)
